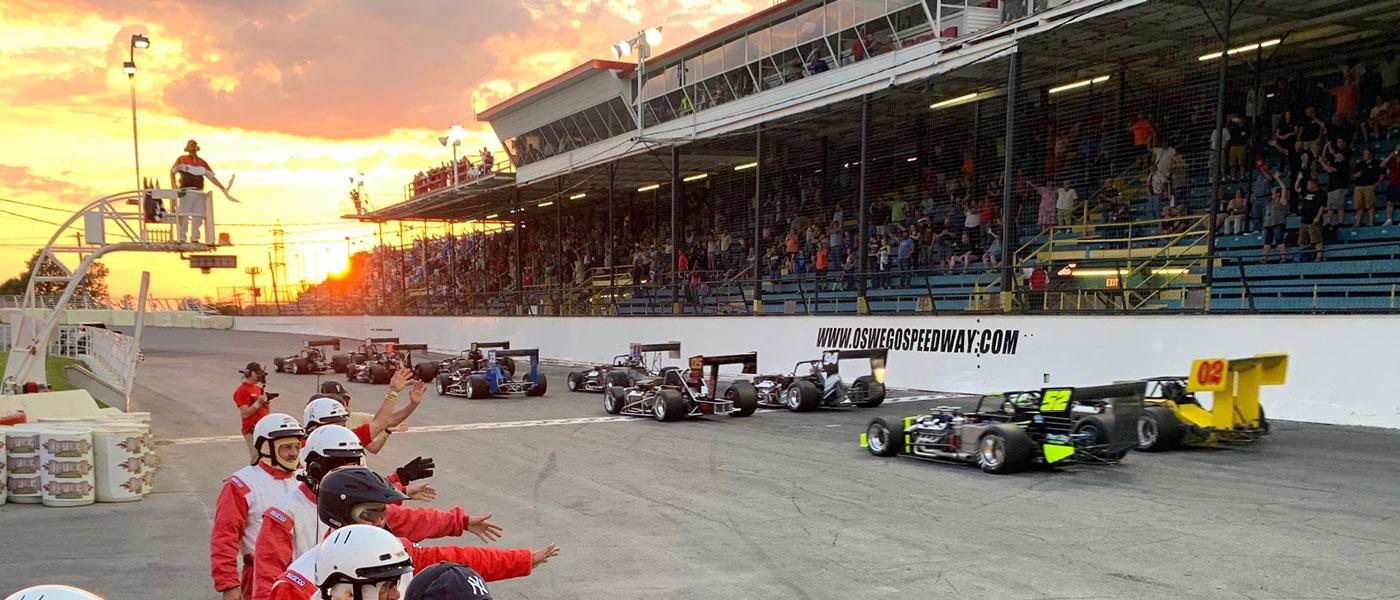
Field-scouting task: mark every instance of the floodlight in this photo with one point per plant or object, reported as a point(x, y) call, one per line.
point(652, 36)
point(129, 68)
point(140, 41)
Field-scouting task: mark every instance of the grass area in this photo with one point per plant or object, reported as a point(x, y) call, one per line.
point(54, 370)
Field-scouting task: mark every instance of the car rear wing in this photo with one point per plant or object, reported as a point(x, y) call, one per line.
point(484, 345)
point(1234, 385)
point(699, 362)
point(674, 348)
point(409, 347)
point(392, 340)
point(319, 343)
point(533, 353)
point(877, 358)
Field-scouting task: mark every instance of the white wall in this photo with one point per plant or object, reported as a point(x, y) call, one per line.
point(1343, 369)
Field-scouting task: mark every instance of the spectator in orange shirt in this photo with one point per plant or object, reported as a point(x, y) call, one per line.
point(1142, 131)
point(1347, 96)
point(252, 403)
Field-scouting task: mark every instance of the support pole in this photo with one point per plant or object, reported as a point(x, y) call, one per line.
point(1008, 249)
point(612, 237)
point(675, 233)
point(758, 220)
point(561, 263)
point(519, 257)
point(1219, 149)
point(861, 306)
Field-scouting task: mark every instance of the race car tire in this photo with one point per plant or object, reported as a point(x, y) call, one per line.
point(870, 392)
point(614, 398)
point(1263, 421)
point(620, 379)
point(801, 396)
point(508, 365)
point(425, 371)
point(378, 374)
point(744, 397)
point(539, 386)
point(338, 362)
point(297, 366)
point(1158, 430)
point(575, 381)
point(884, 436)
point(668, 406)
point(277, 364)
point(477, 387)
point(1004, 449)
point(441, 381)
point(1095, 428)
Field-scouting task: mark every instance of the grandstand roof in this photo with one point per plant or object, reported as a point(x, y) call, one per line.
point(623, 69)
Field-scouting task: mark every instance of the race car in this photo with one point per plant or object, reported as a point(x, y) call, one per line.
point(624, 370)
point(309, 360)
point(493, 379)
point(380, 367)
point(471, 359)
point(817, 383)
point(1175, 416)
point(370, 350)
point(1018, 429)
point(674, 394)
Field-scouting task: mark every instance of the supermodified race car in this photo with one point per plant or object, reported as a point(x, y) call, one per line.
point(625, 369)
point(493, 379)
point(309, 360)
point(817, 383)
point(674, 394)
point(368, 351)
point(1174, 416)
point(1055, 426)
point(472, 359)
point(380, 367)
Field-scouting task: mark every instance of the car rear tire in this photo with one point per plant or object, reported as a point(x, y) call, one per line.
point(477, 387)
point(744, 396)
point(865, 392)
point(801, 396)
point(884, 436)
point(378, 374)
point(614, 398)
point(277, 364)
point(669, 406)
point(1263, 421)
point(1158, 430)
point(425, 371)
point(575, 381)
point(297, 366)
point(508, 365)
point(620, 379)
point(539, 386)
point(1095, 429)
point(338, 362)
point(1004, 449)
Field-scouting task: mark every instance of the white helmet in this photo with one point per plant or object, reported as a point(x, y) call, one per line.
point(324, 411)
point(327, 449)
point(360, 555)
point(275, 426)
point(52, 592)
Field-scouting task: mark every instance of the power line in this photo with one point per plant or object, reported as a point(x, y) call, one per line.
point(36, 219)
point(32, 205)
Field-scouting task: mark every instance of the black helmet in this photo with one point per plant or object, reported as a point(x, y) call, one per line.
point(347, 487)
point(447, 581)
point(331, 387)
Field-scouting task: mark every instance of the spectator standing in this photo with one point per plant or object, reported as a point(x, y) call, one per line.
point(1046, 213)
point(1143, 131)
point(1312, 208)
point(1261, 190)
point(1310, 131)
point(1336, 162)
point(1276, 223)
point(1366, 176)
point(252, 402)
point(1285, 133)
point(1346, 97)
point(1065, 197)
point(1238, 136)
point(1392, 189)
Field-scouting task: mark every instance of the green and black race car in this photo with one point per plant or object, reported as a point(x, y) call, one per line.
point(1010, 432)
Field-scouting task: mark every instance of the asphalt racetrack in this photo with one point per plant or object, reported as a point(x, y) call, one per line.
point(780, 505)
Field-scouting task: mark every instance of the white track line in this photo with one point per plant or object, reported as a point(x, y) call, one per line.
point(516, 424)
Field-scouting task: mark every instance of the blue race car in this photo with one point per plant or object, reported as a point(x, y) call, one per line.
point(492, 378)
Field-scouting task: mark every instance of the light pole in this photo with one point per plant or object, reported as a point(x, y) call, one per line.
point(641, 43)
point(137, 41)
point(454, 137)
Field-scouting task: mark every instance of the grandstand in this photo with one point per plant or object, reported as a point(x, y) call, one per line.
point(856, 156)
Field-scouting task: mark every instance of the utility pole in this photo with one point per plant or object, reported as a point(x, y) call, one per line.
point(253, 273)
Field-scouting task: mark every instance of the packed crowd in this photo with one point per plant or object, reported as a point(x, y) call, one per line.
point(1287, 152)
point(443, 176)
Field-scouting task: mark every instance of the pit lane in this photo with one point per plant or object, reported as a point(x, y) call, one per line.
point(780, 505)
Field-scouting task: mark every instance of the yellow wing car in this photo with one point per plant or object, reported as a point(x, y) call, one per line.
point(1175, 416)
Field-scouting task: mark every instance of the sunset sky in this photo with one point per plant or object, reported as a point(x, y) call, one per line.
point(294, 96)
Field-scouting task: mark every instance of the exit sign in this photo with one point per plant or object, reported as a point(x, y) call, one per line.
point(213, 261)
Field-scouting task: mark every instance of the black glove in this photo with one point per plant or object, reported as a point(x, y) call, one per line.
point(418, 468)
